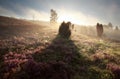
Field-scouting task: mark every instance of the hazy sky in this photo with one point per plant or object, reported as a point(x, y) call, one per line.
point(78, 11)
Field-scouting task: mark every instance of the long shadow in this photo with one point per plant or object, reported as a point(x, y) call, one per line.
point(64, 50)
point(60, 49)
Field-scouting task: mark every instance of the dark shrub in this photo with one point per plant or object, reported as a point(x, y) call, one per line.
point(99, 28)
point(64, 29)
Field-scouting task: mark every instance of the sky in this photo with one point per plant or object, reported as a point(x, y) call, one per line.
point(83, 12)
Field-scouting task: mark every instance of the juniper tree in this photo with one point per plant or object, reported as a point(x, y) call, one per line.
point(53, 18)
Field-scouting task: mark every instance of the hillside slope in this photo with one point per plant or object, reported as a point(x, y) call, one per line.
point(38, 52)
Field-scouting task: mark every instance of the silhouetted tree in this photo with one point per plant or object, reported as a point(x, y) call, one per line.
point(116, 28)
point(72, 26)
point(110, 25)
point(99, 28)
point(53, 18)
point(64, 29)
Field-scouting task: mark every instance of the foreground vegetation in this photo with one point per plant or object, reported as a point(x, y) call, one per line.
point(43, 54)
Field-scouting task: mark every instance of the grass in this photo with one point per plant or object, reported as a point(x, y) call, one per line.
point(85, 57)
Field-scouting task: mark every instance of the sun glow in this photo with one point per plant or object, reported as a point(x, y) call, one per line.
point(76, 17)
point(67, 18)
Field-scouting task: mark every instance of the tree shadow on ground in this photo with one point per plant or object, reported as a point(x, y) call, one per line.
point(76, 65)
point(65, 51)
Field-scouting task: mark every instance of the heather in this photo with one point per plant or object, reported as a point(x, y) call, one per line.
point(44, 54)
